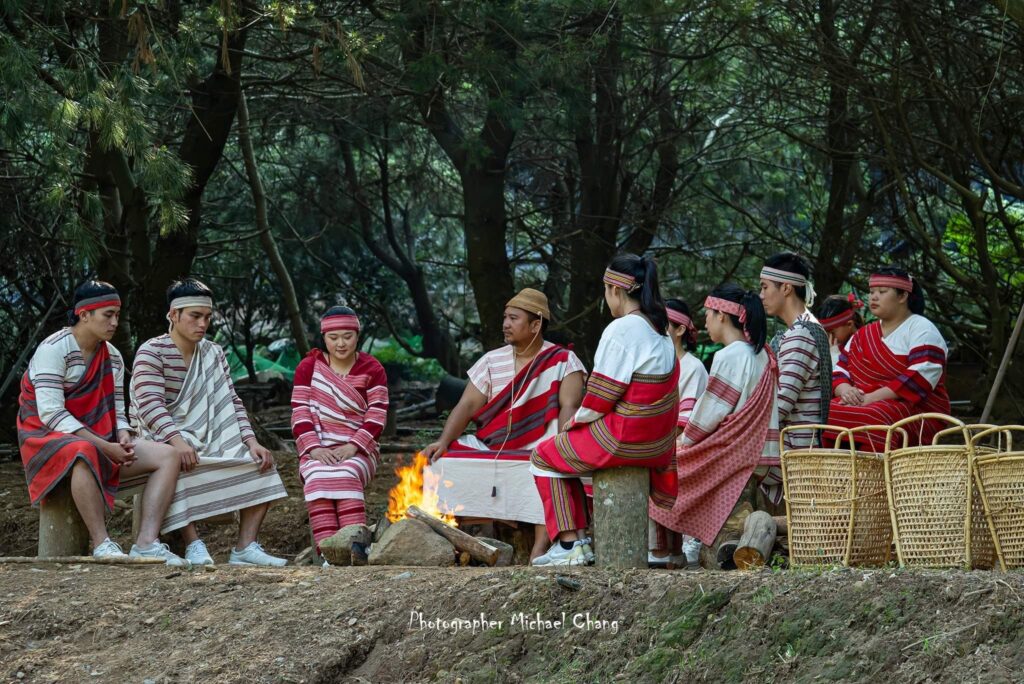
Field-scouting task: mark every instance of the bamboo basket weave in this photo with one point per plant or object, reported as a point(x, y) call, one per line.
point(937, 513)
point(999, 477)
point(836, 507)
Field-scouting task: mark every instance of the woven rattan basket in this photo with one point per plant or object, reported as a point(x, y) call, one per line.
point(937, 514)
point(836, 506)
point(999, 477)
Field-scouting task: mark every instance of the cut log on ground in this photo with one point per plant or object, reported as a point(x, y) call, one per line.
point(620, 517)
point(61, 530)
point(478, 550)
point(118, 560)
point(755, 547)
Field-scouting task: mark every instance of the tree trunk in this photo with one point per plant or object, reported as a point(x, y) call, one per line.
point(61, 530)
point(214, 103)
point(284, 278)
point(483, 192)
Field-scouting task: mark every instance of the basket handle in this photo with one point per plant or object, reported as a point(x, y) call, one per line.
point(874, 428)
point(1007, 429)
point(814, 427)
point(970, 428)
point(923, 417)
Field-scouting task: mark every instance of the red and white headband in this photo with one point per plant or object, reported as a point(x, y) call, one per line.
point(619, 279)
point(725, 306)
point(191, 300)
point(98, 302)
point(779, 276)
point(339, 322)
point(679, 318)
point(833, 322)
point(893, 281)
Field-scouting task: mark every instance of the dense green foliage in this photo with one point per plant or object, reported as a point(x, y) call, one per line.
point(422, 159)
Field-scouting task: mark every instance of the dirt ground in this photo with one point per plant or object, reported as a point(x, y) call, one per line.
point(306, 624)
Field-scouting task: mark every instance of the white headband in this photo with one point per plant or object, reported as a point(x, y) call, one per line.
point(191, 300)
point(777, 275)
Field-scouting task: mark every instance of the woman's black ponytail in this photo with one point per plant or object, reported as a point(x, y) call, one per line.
point(648, 293)
point(757, 322)
point(756, 325)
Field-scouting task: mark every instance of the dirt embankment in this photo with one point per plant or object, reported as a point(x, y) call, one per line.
point(98, 624)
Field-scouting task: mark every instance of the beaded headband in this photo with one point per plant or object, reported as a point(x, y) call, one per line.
point(679, 318)
point(725, 306)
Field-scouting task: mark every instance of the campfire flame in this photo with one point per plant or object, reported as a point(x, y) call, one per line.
point(417, 487)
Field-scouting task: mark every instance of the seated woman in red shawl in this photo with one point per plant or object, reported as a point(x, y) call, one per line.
point(894, 367)
point(72, 426)
point(731, 440)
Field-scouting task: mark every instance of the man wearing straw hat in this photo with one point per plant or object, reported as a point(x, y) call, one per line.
point(518, 395)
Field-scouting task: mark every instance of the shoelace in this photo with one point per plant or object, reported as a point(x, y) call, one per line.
point(108, 544)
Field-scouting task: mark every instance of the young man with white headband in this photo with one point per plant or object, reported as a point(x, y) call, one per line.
point(803, 349)
point(518, 395)
point(182, 395)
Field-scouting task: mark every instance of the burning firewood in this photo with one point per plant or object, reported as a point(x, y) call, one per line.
point(477, 550)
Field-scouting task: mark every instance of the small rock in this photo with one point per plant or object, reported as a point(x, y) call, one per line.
point(568, 583)
point(337, 549)
point(402, 576)
point(150, 620)
point(505, 551)
point(19, 674)
point(380, 528)
point(210, 568)
point(352, 621)
point(411, 542)
point(172, 575)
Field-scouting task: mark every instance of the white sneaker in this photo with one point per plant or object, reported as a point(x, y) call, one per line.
point(691, 549)
point(657, 561)
point(159, 550)
point(108, 549)
point(197, 554)
point(253, 554)
point(556, 555)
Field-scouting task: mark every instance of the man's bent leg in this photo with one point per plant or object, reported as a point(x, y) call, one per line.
point(89, 501)
point(162, 466)
point(249, 521)
point(541, 541)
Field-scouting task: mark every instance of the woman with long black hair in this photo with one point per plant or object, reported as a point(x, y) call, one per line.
point(628, 415)
point(732, 434)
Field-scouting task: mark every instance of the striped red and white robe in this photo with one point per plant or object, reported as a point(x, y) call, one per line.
point(60, 395)
point(911, 361)
point(487, 475)
point(628, 418)
point(805, 375)
point(732, 434)
point(330, 410)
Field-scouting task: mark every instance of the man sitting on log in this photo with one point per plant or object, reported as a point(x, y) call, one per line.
point(518, 395)
point(182, 395)
point(72, 429)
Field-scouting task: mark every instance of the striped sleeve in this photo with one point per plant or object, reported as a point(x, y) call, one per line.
point(925, 365)
point(303, 429)
point(240, 413)
point(148, 393)
point(46, 371)
point(117, 362)
point(798, 367)
point(719, 400)
point(480, 376)
point(613, 369)
point(376, 412)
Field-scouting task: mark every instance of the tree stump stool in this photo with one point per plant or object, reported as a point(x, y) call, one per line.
point(620, 517)
point(61, 530)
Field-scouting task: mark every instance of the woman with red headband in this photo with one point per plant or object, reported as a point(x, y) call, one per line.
point(894, 367)
point(693, 379)
point(840, 316)
point(339, 407)
point(72, 427)
point(731, 438)
point(629, 410)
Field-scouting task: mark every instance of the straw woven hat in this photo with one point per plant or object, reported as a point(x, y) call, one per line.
point(531, 301)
